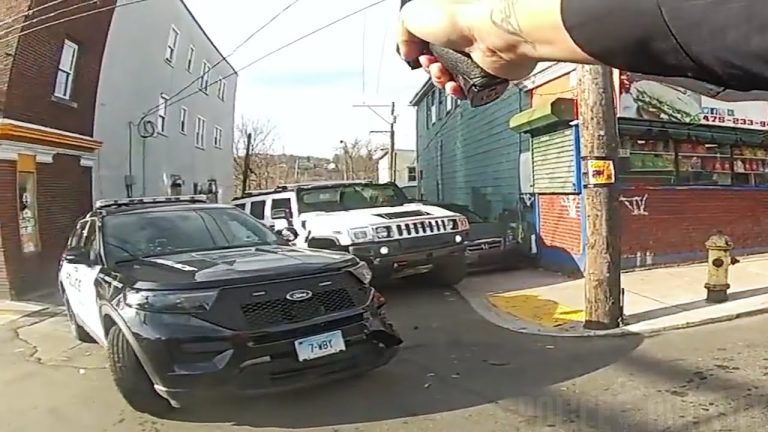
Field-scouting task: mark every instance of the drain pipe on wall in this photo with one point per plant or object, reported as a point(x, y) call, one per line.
point(128, 180)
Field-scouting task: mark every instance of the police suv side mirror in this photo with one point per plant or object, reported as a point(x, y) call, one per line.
point(287, 235)
point(77, 256)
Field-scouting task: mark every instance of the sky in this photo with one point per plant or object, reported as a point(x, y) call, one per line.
point(307, 90)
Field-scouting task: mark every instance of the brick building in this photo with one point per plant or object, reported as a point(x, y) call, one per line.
point(49, 75)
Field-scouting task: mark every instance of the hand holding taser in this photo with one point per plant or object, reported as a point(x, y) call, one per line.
point(479, 86)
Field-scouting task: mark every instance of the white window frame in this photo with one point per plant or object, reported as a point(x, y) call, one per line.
point(183, 119)
point(172, 45)
point(408, 174)
point(218, 136)
point(66, 72)
point(162, 114)
point(433, 107)
point(222, 90)
point(191, 58)
point(200, 132)
point(205, 77)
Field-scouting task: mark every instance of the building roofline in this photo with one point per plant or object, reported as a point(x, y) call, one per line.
point(207, 36)
point(422, 92)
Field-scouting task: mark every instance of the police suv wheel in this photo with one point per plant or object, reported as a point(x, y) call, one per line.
point(130, 377)
point(80, 333)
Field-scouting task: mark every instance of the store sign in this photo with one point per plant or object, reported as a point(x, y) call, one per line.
point(28, 227)
point(644, 98)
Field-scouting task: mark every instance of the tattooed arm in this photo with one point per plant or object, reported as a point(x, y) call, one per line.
point(722, 42)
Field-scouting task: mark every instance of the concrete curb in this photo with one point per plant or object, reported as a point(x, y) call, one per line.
point(688, 319)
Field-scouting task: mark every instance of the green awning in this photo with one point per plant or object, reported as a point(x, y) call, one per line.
point(561, 110)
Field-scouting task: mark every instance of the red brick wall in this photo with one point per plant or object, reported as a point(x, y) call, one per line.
point(64, 194)
point(559, 228)
point(8, 10)
point(34, 63)
point(680, 220)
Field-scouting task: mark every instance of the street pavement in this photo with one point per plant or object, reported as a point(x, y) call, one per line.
point(457, 372)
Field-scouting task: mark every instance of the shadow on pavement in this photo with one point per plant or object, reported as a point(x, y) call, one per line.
point(452, 359)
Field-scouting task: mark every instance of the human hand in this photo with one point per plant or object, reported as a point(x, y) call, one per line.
point(488, 30)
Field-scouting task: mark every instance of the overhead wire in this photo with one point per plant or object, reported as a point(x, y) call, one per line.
point(63, 20)
point(287, 45)
point(50, 15)
point(30, 12)
point(157, 107)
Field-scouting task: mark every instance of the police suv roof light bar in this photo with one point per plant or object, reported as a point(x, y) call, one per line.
point(150, 200)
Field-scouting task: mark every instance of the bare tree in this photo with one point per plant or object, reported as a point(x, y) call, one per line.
point(261, 157)
point(356, 160)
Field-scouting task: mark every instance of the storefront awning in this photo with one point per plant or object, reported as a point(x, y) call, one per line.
point(682, 131)
point(560, 111)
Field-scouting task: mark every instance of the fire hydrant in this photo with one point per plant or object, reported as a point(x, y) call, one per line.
point(719, 248)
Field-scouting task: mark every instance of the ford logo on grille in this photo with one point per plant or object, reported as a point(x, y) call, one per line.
point(299, 295)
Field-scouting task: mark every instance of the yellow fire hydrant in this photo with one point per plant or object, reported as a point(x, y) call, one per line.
point(719, 248)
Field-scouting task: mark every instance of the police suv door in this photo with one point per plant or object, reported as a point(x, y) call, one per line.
point(81, 266)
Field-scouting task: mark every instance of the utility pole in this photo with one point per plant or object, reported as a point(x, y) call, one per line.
point(599, 151)
point(391, 122)
point(246, 163)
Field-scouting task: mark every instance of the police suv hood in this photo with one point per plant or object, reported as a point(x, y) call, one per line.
point(378, 215)
point(230, 267)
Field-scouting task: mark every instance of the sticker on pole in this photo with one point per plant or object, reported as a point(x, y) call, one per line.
point(600, 172)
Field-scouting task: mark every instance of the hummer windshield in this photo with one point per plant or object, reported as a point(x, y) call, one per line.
point(350, 197)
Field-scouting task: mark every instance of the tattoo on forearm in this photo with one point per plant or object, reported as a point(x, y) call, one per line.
point(504, 16)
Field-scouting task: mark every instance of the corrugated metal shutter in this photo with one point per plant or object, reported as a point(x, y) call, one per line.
point(554, 164)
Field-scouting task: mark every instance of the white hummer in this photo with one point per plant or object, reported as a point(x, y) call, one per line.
point(373, 221)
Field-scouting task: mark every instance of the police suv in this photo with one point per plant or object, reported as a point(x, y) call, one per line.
point(375, 222)
point(190, 297)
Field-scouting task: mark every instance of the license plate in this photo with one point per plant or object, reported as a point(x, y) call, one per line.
point(320, 345)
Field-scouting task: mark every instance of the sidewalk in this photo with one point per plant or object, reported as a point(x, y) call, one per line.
point(655, 300)
point(11, 310)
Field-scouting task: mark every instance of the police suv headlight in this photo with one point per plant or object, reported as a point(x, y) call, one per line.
point(360, 235)
point(362, 272)
point(170, 301)
point(383, 232)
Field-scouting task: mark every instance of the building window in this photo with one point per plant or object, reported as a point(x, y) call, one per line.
point(191, 58)
point(433, 107)
point(200, 132)
point(440, 103)
point(28, 220)
point(411, 174)
point(222, 92)
point(66, 72)
point(173, 45)
point(428, 112)
point(183, 120)
point(205, 77)
point(217, 134)
point(162, 114)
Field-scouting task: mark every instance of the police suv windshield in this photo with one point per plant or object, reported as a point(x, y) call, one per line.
point(133, 236)
point(350, 197)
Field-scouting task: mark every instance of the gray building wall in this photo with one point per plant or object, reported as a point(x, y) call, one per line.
point(470, 156)
point(134, 75)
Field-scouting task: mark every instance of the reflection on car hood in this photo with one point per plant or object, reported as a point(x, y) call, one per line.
point(485, 230)
point(230, 266)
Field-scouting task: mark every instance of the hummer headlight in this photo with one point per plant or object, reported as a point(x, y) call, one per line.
point(383, 232)
point(359, 235)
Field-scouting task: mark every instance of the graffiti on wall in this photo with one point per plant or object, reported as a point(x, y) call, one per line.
point(571, 204)
point(635, 204)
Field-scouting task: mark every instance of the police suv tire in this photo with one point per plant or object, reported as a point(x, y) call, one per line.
point(78, 331)
point(131, 379)
point(449, 272)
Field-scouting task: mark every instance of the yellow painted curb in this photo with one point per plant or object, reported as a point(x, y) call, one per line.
point(533, 308)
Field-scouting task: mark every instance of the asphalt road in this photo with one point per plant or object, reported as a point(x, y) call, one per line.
point(456, 372)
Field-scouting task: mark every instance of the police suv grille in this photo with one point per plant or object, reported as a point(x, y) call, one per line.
point(344, 292)
point(424, 227)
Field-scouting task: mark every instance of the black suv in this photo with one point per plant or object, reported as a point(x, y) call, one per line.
point(190, 297)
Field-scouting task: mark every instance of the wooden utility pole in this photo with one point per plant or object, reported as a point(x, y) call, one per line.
point(246, 163)
point(599, 151)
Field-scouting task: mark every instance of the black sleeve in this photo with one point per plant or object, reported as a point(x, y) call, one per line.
point(722, 42)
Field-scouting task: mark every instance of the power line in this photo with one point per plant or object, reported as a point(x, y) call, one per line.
point(31, 11)
point(381, 59)
point(365, 28)
point(157, 107)
point(293, 42)
point(52, 14)
point(106, 8)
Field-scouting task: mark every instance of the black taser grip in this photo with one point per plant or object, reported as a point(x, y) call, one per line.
point(480, 86)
